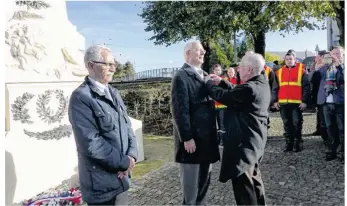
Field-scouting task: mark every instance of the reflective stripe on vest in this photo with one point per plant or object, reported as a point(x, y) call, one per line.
point(218, 105)
point(290, 91)
point(267, 72)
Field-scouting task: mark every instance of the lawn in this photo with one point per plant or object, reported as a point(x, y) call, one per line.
point(158, 151)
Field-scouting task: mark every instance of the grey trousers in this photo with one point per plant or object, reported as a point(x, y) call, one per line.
point(195, 180)
point(121, 199)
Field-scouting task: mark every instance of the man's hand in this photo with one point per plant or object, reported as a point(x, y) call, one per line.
point(132, 163)
point(277, 105)
point(215, 78)
point(121, 175)
point(318, 62)
point(302, 106)
point(190, 146)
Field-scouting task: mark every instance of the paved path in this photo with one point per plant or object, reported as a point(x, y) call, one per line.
point(303, 178)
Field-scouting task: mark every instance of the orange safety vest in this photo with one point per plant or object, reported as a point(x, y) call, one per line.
point(267, 71)
point(289, 80)
point(218, 105)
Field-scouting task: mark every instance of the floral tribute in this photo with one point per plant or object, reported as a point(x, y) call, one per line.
point(71, 197)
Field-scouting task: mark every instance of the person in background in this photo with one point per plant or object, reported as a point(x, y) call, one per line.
point(195, 134)
point(220, 108)
point(290, 95)
point(238, 79)
point(315, 82)
point(247, 112)
point(106, 144)
point(331, 98)
point(232, 78)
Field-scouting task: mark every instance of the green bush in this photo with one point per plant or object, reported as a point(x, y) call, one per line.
point(149, 103)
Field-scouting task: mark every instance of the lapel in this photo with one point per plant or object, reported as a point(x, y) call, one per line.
point(191, 72)
point(113, 102)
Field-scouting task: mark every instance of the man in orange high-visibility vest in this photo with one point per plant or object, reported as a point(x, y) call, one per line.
point(290, 94)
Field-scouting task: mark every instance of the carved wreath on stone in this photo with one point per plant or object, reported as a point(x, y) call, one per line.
point(20, 113)
point(46, 113)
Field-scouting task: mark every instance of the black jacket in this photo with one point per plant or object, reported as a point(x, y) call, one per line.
point(194, 118)
point(246, 117)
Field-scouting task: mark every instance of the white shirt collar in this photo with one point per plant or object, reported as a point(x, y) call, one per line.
point(194, 67)
point(98, 85)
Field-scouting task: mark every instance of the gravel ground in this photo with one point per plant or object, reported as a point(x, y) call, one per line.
point(303, 178)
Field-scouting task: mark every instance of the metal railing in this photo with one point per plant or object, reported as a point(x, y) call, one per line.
point(155, 73)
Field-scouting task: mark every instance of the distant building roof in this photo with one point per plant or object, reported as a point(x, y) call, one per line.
point(299, 54)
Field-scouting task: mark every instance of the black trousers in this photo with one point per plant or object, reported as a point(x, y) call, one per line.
point(335, 124)
point(221, 123)
point(292, 121)
point(249, 188)
point(321, 124)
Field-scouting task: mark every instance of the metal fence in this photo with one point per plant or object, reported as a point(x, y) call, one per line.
point(155, 73)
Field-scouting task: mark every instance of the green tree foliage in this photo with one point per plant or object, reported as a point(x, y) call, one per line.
point(124, 69)
point(220, 53)
point(175, 21)
point(269, 57)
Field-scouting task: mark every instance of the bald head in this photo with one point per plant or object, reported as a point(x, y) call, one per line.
point(231, 72)
point(194, 53)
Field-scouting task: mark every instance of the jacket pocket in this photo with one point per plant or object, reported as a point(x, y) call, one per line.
point(105, 121)
point(103, 180)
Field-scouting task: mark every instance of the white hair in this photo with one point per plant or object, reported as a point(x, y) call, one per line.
point(189, 46)
point(93, 53)
point(255, 61)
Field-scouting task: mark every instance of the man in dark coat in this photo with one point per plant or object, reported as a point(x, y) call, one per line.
point(196, 142)
point(106, 144)
point(247, 113)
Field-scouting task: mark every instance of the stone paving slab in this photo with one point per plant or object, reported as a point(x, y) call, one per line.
point(303, 178)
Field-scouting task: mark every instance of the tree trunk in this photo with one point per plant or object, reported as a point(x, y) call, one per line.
point(340, 19)
point(259, 42)
point(207, 59)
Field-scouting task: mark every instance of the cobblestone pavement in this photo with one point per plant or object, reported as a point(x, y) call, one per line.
point(303, 178)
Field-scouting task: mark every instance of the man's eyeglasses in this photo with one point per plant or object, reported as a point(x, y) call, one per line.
point(106, 64)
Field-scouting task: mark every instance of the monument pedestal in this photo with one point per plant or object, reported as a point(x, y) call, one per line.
point(39, 144)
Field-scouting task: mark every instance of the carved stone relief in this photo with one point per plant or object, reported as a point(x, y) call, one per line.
point(44, 112)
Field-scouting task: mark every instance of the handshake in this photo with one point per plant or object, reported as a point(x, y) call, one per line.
point(213, 77)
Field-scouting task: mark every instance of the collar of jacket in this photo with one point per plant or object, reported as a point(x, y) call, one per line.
point(191, 70)
point(93, 87)
point(256, 78)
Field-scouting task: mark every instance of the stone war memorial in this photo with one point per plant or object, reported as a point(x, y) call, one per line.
point(44, 64)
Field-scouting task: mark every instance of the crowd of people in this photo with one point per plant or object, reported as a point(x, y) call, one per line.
point(293, 87)
point(207, 109)
point(242, 98)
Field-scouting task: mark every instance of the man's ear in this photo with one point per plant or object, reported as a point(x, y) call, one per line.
point(90, 65)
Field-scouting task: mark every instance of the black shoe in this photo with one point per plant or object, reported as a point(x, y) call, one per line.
point(330, 157)
point(316, 133)
point(298, 147)
point(288, 148)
